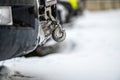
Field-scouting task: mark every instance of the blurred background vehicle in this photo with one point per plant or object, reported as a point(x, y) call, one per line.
point(69, 8)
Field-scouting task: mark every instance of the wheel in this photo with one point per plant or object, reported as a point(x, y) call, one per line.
point(21, 37)
point(58, 35)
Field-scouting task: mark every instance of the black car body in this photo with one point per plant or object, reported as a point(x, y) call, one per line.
point(66, 11)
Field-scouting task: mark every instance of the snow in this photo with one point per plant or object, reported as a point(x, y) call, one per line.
point(91, 51)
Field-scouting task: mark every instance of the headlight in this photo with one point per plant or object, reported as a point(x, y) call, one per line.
point(6, 15)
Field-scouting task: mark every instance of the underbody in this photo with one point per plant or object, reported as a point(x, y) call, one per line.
point(20, 33)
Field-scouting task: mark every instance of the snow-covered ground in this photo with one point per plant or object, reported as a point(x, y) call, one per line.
point(91, 51)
